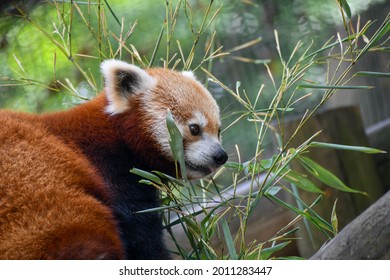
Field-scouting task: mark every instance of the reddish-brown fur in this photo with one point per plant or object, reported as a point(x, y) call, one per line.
point(50, 197)
point(65, 176)
point(49, 191)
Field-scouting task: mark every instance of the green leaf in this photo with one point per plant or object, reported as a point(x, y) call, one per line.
point(349, 38)
point(296, 258)
point(316, 86)
point(173, 180)
point(271, 109)
point(267, 252)
point(307, 213)
point(229, 240)
point(290, 232)
point(379, 34)
point(257, 167)
point(301, 181)
point(156, 209)
point(176, 143)
point(251, 167)
point(146, 175)
point(325, 175)
point(267, 163)
point(334, 221)
point(182, 219)
point(112, 13)
point(346, 8)
point(366, 150)
point(234, 165)
point(146, 182)
point(271, 191)
point(288, 206)
point(156, 47)
point(373, 74)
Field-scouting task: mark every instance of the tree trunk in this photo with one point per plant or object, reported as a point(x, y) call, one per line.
point(365, 238)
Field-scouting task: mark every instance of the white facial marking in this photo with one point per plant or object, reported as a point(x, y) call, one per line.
point(160, 131)
point(199, 119)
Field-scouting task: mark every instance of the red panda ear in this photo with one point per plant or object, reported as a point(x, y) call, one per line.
point(122, 81)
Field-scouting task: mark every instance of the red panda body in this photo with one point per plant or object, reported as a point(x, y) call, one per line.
point(50, 198)
point(66, 190)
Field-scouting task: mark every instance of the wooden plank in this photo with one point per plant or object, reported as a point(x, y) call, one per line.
point(379, 137)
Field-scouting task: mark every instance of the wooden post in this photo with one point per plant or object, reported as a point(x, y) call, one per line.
point(356, 170)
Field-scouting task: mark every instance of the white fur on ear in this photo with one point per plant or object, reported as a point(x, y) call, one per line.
point(122, 80)
point(189, 74)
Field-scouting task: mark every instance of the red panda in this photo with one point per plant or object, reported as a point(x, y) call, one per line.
point(101, 140)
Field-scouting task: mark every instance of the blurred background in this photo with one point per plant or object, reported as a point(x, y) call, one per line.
point(238, 22)
point(36, 76)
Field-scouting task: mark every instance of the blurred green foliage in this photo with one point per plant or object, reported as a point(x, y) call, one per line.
point(37, 76)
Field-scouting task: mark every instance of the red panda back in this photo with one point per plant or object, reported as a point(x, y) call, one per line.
point(48, 205)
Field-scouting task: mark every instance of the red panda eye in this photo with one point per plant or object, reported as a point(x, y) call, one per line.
point(195, 129)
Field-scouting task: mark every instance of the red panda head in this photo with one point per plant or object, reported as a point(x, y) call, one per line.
point(141, 99)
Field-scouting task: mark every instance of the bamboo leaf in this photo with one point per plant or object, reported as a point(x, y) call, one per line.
point(229, 240)
point(333, 87)
point(234, 165)
point(156, 209)
point(271, 191)
point(176, 143)
point(146, 175)
point(289, 258)
point(362, 149)
point(373, 74)
point(257, 167)
point(245, 45)
point(156, 47)
point(181, 220)
point(146, 182)
point(334, 220)
point(19, 64)
point(346, 8)
point(301, 182)
point(169, 178)
point(349, 38)
point(308, 213)
point(267, 252)
point(112, 12)
point(288, 206)
point(325, 175)
point(272, 109)
point(251, 167)
point(379, 34)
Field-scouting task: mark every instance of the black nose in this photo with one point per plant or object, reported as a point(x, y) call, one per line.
point(220, 157)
